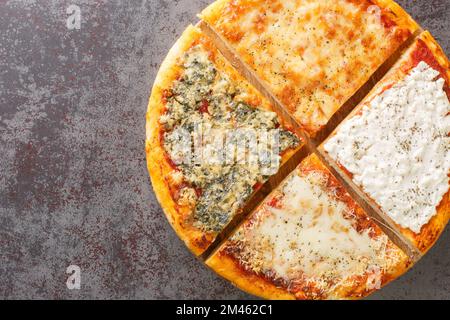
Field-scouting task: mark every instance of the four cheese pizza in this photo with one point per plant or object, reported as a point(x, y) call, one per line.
point(201, 115)
point(309, 240)
point(396, 144)
point(227, 110)
point(312, 54)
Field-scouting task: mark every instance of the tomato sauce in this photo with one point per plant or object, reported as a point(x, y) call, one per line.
point(423, 53)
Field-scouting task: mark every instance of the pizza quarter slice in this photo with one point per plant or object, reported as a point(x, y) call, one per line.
point(395, 145)
point(309, 240)
point(212, 140)
point(313, 55)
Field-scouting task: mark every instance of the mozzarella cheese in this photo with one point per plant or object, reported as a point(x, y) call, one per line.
point(313, 54)
point(322, 246)
point(398, 148)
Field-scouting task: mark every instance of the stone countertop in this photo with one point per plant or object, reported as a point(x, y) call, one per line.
point(73, 180)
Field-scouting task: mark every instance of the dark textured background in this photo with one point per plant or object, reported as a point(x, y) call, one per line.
point(73, 182)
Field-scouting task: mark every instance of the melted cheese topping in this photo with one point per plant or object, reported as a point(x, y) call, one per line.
point(222, 146)
point(310, 239)
point(398, 148)
point(312, 54)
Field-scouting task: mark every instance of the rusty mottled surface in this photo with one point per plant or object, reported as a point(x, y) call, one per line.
point(73, 182)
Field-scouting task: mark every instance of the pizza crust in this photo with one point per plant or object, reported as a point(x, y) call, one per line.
point(394, 11)
point(397, 14)
point(438, 54)
point(228, 268)
point(157, 163)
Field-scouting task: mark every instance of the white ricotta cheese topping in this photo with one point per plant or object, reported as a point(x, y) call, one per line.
point(398, 148)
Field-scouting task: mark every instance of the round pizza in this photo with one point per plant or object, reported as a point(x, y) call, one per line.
point(301, 148)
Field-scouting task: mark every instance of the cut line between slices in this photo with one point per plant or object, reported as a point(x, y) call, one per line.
point(311, 145)
point(256, 199)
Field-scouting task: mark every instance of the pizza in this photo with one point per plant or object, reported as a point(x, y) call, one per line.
point(301, 148)
point(312, 55)
point(200, 102)
point(309, 240)
point(395, 145)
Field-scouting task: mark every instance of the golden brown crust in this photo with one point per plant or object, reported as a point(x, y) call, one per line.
point(426, 48)
point(392, 10)
point(228, 266)
point(212, 12)
point(438, 52)
point(430, 232)
point(397, 14)
point(158, 165)
point(438, 60)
